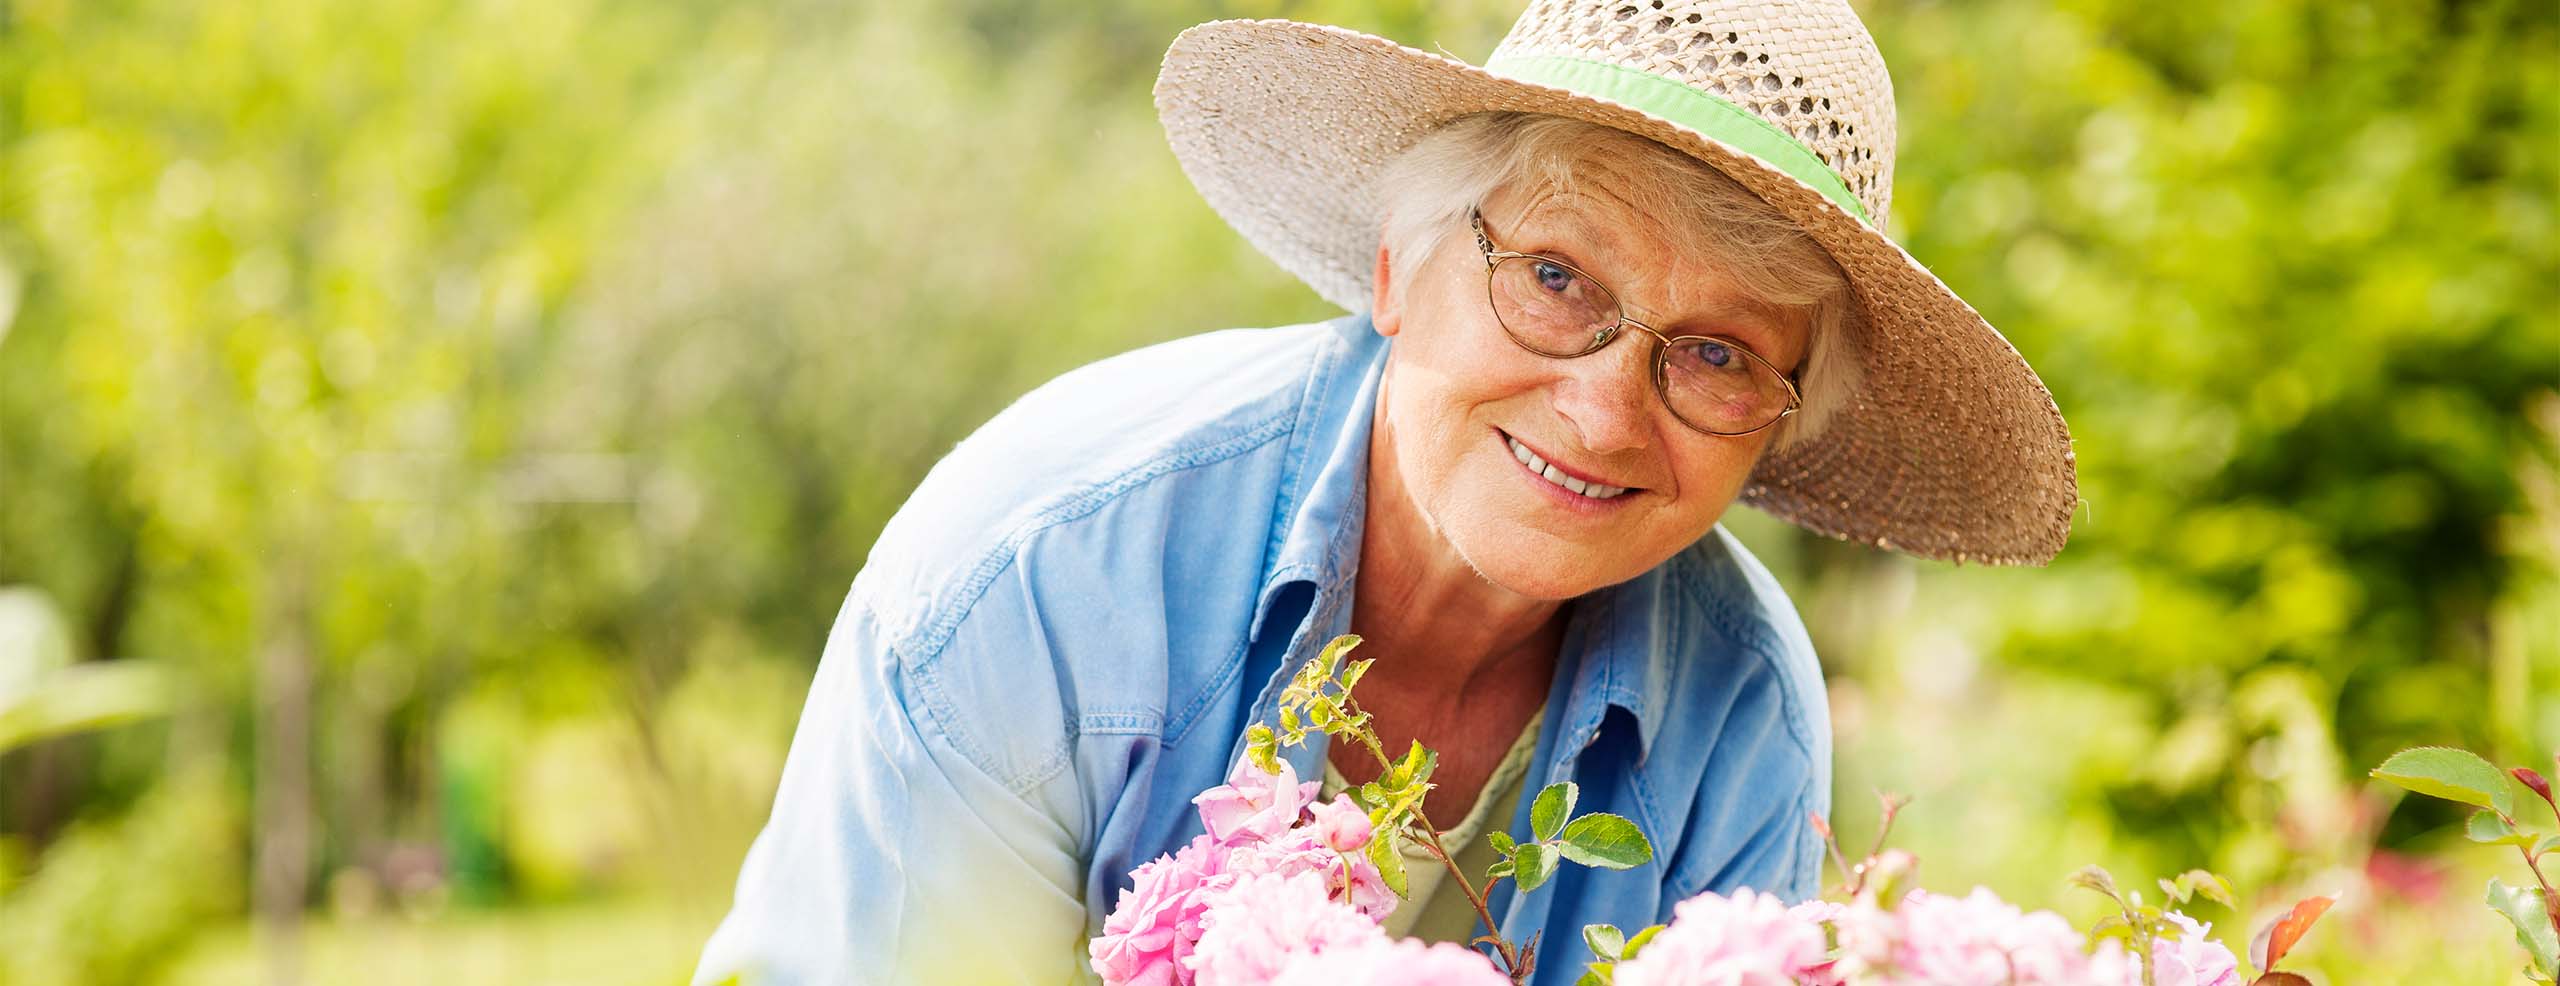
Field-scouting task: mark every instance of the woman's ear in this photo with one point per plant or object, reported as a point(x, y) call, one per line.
point(1386, 306)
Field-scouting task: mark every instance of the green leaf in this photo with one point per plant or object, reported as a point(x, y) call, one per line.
point(1414, 768)
point(1592, 977)
point(1408, 801)
point(1501, 841)
point(1606, 940)
point(2546, 844)
point(1638, 942)
point(2522, 907)
point(1555, 804)
point(1310, 675)
point(1497, 871)
point(1331, 657)
point(2454, 775)
point(1260, 745)
point(1390, 863)
point(1533, 863)
point(2215, 888)
point(2192, 883)
point(1351, 673)
point(2487, 827)
point(1605, 840)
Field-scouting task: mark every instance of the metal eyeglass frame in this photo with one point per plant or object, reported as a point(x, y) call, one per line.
point(1662, 344)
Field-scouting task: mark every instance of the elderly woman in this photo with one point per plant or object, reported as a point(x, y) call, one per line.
point(1625, 275)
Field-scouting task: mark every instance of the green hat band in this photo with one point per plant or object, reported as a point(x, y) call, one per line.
point(1699, 111)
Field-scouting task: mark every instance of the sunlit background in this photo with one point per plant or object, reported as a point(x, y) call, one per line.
point(436, 436)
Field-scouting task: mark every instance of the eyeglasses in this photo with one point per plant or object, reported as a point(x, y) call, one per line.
point(1712, 384)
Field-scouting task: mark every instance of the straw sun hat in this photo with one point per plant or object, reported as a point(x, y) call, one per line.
point(1952, 449)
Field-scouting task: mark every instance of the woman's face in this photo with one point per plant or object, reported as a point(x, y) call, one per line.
point(1462, 400)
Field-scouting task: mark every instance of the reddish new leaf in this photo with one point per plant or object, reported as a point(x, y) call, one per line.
point(2280, 979)
point(2277, 938)
point(2535, 781)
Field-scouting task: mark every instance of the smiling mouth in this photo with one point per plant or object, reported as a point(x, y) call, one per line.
point(1547, 471)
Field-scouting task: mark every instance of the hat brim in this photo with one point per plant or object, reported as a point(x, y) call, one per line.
point(1952, 449)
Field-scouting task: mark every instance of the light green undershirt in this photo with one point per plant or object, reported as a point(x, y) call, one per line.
point(1434, 908)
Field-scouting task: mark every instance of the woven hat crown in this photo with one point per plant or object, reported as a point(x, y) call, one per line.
point(1808, 69)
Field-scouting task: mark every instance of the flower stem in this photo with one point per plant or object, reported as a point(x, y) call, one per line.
point(2550, 901)
point(2142, 938)
point(1431, 842)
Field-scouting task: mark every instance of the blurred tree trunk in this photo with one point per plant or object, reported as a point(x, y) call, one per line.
point(284, 776)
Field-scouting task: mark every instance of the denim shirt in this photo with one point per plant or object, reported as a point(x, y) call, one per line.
point(1062, 636)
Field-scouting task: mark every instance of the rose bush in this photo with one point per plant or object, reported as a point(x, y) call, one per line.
point(1267, 843)
point(1281, 887)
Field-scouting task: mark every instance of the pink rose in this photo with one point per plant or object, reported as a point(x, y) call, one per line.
point(1934, 938)
point(2192, 958)
point(1342, 825)
point(1748, 939)
point(1402, 963)
point(1254, 804)
point(1351, 879)
point(1150, 935)
point(1254, 928)
point(1367, 891)
point(1153, 928)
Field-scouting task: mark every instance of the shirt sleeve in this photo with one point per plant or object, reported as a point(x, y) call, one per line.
point(895, 856)
point(1783, 854)
point(1771, 774)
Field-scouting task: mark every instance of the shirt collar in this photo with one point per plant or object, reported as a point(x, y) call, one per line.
point(1618, 637)
point(1637, 637)
point(1315, 529)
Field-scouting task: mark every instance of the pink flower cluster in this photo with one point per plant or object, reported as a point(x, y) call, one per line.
point(1277, 890)
point(1280, 890)
point(1977, 938)
point(2191, 959)
point(1925, 940)
point(1748, 939)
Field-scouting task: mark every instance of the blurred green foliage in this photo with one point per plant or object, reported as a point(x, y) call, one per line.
point(469, 415)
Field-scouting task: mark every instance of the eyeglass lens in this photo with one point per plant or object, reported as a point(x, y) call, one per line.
point(1713, 384)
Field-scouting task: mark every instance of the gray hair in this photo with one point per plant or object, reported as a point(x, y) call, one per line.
point(1428, 190)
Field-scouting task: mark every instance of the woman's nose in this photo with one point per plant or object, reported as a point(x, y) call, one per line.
point(1607, 396)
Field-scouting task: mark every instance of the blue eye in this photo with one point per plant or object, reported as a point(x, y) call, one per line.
point(1709, 355)
point(1553, 277)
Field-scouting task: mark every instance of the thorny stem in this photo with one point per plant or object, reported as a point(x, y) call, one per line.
point(1431, 842)
point(2550, 902)
point(1892, 807)
point(1832, 842)
point(1848, 878)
